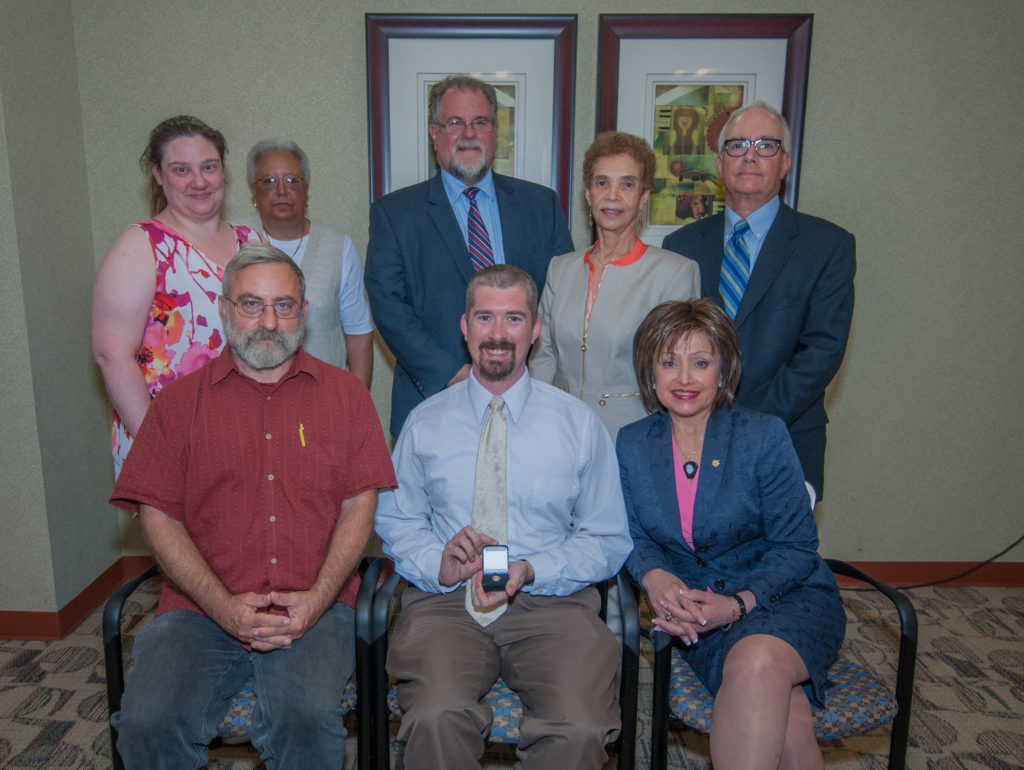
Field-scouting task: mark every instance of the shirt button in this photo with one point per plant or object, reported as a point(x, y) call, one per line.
point(273, 518)
point(268, 436)
point(274, 560)
point(583, 348)
point(719, 585)
point(701, 563)
point(602, 402)
point(270, 477)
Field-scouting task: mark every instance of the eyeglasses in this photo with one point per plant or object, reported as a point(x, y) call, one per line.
point(458, 125)
point(250, 307)
point(766, 148)
point(269, 182)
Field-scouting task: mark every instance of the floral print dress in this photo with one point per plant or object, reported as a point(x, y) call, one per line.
point(183, 330)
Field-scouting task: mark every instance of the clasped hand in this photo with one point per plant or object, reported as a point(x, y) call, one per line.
point(685, 612)
point(460, 560)
point(270, 621)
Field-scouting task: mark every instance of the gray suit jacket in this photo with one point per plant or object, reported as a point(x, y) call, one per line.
point(602, 375)
point(418, 266)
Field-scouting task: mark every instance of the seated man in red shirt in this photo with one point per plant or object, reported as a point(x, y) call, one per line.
point(256, 480)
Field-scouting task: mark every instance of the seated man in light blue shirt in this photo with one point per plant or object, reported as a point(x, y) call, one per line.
point(566, 529)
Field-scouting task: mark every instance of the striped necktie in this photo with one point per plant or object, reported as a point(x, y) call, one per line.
point(735, 269)
point(479, 244)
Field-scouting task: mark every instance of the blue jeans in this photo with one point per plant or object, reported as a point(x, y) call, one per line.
point(187, 669)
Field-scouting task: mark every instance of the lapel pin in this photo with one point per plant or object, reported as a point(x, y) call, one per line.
point(714, 463)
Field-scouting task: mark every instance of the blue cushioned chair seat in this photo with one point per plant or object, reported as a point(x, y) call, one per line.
point(856, 703)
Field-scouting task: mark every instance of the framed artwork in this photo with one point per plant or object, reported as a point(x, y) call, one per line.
point(676, 79)
point(531, 62)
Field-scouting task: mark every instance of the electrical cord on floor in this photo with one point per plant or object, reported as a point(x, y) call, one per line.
point(951, 578)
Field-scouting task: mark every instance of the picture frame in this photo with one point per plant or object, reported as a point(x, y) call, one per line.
point(531, 58)
point(674, 79)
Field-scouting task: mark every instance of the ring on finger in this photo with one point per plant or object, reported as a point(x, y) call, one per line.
point(668, 616)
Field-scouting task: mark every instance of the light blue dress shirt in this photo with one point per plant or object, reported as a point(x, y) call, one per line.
point(760, 223)
point(485, 201)
point(566, 515)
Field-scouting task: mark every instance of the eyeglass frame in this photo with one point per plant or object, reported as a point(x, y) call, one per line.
point(755, 143)
point(271, 181)
point(455, 125)
point(265, 305)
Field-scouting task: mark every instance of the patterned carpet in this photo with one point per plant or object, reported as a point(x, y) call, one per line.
point(968, 709)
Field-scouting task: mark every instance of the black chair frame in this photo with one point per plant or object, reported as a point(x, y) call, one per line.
point(384, 605)
point(904, 689)
point(114, 656)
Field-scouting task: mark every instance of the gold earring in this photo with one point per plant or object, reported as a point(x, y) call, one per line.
point(254, 204)
point(590, 218)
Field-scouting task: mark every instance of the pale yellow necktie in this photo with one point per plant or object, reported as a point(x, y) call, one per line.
point(490, 496)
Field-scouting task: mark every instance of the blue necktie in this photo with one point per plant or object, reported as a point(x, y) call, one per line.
point(735, 269)
point(479, 244)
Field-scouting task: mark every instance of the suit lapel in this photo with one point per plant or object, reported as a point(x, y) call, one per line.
point(710, 257)
point(439, 209)
point(663, 473)
point(511, 219)
point(713, 459)
point(777, 248)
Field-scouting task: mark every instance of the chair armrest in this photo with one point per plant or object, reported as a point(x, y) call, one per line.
point(112, 654)
point(382, 603)
point(906, 661)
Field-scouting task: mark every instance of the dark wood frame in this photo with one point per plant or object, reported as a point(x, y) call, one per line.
point(794, 28)
point(382, 27)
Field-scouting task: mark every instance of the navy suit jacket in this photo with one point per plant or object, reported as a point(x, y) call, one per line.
point(752, 521)
point(418, 266)
point(793, 321)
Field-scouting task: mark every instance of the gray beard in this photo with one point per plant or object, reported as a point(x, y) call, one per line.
point(468, 174)
point(252, 350)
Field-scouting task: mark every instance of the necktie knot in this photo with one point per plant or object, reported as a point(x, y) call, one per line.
point(471, 193)
point(497, 404)
point(742, 228)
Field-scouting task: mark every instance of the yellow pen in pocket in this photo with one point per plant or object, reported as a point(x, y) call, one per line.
point(302, 436)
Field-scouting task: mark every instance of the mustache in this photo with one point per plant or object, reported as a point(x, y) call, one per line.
point(265, 335)
point(470, 144)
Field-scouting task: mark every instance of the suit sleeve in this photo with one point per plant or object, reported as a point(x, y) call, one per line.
point(787, 524)
point(822, 341)
point(543, 363)
point(560, 242)
point(417, 352)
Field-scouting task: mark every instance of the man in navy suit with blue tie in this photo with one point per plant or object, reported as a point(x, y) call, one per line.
point(427, 241)
point(786, 279)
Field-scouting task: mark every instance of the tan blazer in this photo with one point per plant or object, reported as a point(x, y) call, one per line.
point(602, 375)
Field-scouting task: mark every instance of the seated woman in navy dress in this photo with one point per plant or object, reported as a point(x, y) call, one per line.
point(725, 541)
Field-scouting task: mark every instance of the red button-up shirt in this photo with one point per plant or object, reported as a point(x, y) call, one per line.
point(257, 473)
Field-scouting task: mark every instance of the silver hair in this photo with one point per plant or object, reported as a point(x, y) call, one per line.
point(266, 146)
point(259, 254)
point(756, 105)
point(463, 83)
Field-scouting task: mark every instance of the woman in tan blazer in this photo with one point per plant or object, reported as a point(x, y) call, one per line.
point(594, 299)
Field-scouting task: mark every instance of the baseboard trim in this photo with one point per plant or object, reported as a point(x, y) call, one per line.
point(907, 573)
point(51, 626)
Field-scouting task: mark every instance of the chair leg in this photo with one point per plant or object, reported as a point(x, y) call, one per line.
point(659, 706)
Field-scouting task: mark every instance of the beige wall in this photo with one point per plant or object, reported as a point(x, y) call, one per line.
point(58, 534)
point(901, 146)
